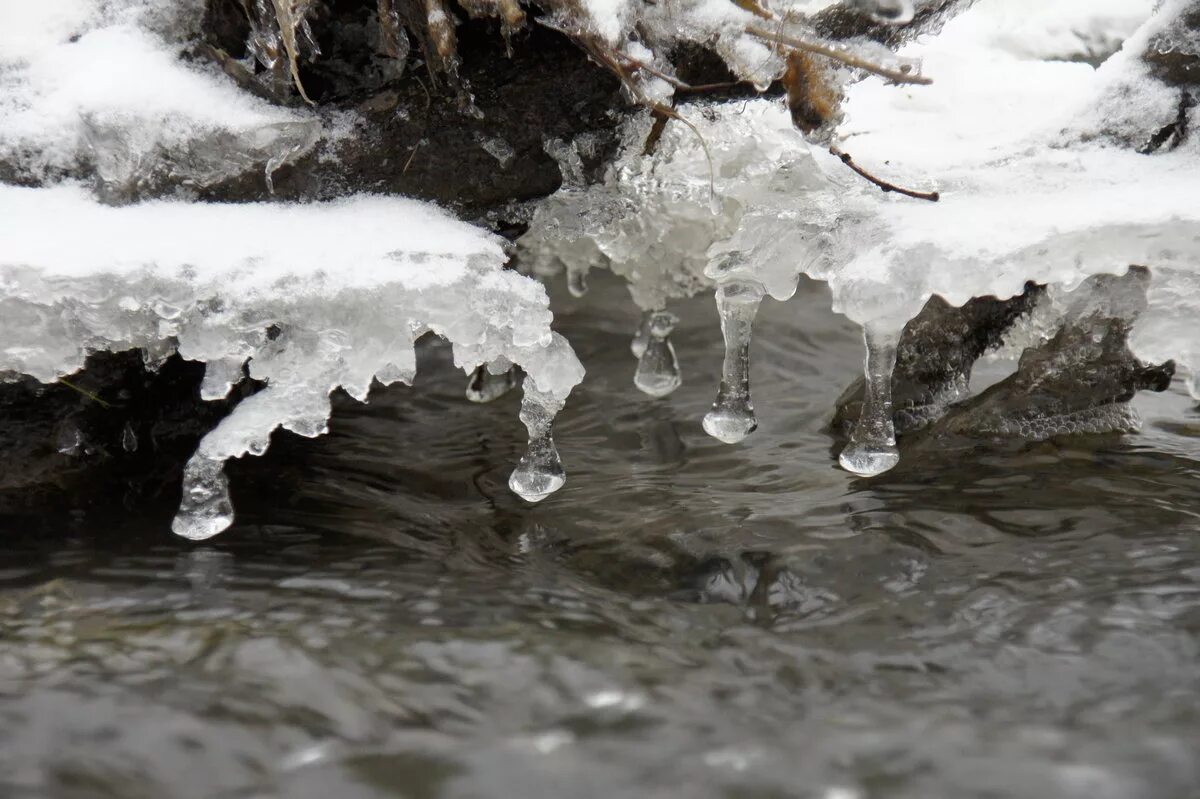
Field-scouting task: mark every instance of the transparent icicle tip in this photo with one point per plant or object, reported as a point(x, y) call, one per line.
point(657, 372)
point(872, 446)
point(540, 472)
point(732, 416)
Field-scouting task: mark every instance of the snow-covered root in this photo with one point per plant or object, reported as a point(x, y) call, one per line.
point(732, 416)
point(872, 447)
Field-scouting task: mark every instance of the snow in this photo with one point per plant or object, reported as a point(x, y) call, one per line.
point(92, 86)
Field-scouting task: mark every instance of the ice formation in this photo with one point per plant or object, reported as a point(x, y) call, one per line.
point(305, 297)
point(1047, 169)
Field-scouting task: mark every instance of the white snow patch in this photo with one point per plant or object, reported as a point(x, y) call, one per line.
point(88, 85)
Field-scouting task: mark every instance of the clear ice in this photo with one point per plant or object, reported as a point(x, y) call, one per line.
point(732, 416)
point(340, 306)
point(658, 369)
point(484, 385)
point(540, 472)
point(872, 446)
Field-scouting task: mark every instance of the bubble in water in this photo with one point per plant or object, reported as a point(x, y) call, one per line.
point(732, 416)
point(540, 472)
point(658, 369)
point(872, 448)
point(206, 508)
point(483, 386)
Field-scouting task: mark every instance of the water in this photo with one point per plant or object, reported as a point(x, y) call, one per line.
point(683, 619)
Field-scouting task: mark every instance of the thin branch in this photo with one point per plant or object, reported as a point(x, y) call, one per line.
point(884, 186)
point(849, 59)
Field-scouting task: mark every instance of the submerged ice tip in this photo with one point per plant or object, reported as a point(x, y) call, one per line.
point(866, 460)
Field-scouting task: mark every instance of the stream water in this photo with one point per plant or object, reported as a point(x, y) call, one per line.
point(684, 619)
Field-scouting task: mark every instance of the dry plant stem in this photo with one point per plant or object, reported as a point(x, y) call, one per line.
point(931, 196)
point(894, 75)
point(287, 29)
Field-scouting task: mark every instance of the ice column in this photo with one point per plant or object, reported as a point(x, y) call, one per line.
point(206, 508)
point(485, 385)
point(732, 416)
point(658, 369)
point(637, 345)
point(872, 448)
point(540, 472)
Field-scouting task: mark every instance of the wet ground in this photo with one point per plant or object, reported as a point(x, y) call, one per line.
point(683, 619)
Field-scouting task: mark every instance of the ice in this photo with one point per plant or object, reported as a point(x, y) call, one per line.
point(311, 296)
point(732, 416)
point(1046, 168)
point(872, 447)
point(540, 472)
point(100, 88)
point(490, 382)
point(658, 369)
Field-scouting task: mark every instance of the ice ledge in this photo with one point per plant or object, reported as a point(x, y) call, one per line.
point(313, 296)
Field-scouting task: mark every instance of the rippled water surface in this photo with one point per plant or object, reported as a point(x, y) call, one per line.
point(684, 619)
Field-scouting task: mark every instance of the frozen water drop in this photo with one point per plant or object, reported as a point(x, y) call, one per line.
point(206, 508)
point(872, 448)
point(658, 369)
point(732, 416)
point(483, 386)
point(540, 472)
point(577, 282)
point(129, 441)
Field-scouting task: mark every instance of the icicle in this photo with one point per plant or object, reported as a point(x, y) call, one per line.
point(872, 448)
point(577, 282)
point(484, 386)
point(206, 508)
point(658, 369)
point(640, 336)
point(540, 472)
point(732, 416)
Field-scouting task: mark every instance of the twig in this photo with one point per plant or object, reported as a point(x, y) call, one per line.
point(931, 196)
point(849, 59)
point(84, 392)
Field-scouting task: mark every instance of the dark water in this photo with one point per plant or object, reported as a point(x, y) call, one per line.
point(684, 619)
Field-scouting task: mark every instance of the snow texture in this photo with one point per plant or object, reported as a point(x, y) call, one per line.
point(89, 87)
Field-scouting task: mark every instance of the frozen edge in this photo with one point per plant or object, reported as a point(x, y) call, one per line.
point(312, 296)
